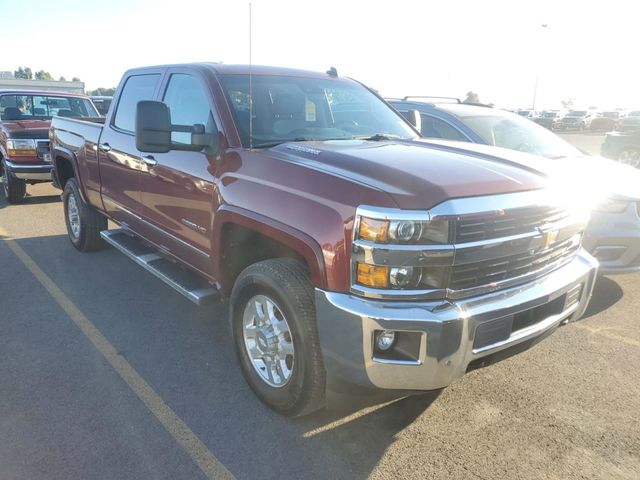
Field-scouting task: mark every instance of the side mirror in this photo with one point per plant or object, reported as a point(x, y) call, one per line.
point(413, 116)
point(153, 127)
point(153, 131)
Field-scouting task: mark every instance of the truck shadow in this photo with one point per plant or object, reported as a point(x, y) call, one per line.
point(29, 200)
point(606, 293)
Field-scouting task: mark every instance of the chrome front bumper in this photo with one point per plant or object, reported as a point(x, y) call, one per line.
point(29, 171)
point(447, 331)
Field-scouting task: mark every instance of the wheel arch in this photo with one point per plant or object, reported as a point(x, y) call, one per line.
point(235, 229)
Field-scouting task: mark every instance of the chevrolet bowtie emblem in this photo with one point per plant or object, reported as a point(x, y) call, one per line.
point(549, 237)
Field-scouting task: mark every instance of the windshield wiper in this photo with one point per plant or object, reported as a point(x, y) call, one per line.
point(378, 137)
point(280, 142)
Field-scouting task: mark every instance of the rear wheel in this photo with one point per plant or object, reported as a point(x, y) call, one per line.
point(276, 337)
point(84, 223)
point(14, 188)
point(630, 156)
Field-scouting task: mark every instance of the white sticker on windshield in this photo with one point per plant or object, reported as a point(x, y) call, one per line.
point(309, 111)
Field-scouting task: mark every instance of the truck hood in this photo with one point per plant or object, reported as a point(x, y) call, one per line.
point(417, 174)
point(27, 128)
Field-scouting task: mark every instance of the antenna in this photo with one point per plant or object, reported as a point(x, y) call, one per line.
point(250, 87)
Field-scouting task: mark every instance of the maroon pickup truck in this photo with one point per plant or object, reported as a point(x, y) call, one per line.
point(354, 254)
point(25, 117)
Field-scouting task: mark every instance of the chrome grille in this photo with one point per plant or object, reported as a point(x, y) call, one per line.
point(505, 224)
point(492, 271)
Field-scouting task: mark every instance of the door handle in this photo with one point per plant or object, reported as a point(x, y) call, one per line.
point(149, 160)
point(104, 147)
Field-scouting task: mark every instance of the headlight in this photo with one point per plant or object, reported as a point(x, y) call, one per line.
point(611, 205)
point(21, 147)
point(403, 231)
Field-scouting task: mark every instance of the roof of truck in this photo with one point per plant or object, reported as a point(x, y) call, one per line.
point(222, 68)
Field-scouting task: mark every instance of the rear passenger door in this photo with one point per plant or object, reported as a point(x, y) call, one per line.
point(120, 162)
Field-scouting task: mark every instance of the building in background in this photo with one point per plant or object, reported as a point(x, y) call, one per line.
point(8, 82)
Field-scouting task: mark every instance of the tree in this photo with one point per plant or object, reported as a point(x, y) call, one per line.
point(62, 79)
point(75, 79)
point(102, 92)
point(42, 75)
point(472, 97)
point(25, 73)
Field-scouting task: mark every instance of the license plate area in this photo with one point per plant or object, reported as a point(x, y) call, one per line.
point(500, 329)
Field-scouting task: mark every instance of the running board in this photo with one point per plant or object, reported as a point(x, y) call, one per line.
point(181, 279)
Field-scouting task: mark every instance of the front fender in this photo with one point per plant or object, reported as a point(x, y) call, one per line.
point(299, 241)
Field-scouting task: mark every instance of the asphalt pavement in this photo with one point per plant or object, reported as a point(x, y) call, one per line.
point(107, 373)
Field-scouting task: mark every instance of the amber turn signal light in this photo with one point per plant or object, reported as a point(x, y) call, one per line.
point(373, 230)
point(372, 275)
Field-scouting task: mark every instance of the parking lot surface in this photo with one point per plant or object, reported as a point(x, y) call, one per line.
point(107, 373)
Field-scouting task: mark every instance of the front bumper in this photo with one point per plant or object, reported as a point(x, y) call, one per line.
point(36, 172)
point(614, 239)
point(448, 332)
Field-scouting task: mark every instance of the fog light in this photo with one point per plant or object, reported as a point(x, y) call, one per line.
point(385, 340)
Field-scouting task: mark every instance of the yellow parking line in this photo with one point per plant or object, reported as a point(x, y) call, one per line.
point(182, 434)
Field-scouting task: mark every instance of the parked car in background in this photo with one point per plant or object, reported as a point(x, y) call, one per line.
point(576, 120)
point(613, 234)
point(623, 147)
point(102, 103)
point(526, 113)
point(353, 252)
point(631, 121)
point(605, 121)
point(547, 118)
point(25, 117)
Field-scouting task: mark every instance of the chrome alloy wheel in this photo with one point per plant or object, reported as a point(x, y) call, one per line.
point(74, 215)
point(630, 157)
point(268, 340)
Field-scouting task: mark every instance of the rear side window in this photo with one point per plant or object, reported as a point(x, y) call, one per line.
point(435, 128)
point(188, 104)
point(137, 88)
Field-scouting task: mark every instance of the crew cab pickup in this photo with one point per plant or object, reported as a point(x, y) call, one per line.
point(25, 117)
point(354, 254)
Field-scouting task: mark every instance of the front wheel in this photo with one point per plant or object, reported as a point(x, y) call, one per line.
point(14, 188)
point(276, 337)
point(84, 223)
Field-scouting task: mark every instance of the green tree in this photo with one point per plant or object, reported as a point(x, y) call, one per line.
point(102, 92)
point(62, 79)
point(25, 73)
point(42, 75)
point(75, 79)
point(472, 97)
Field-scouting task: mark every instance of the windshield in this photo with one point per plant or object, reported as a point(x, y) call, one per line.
point(43, 107)
point(634, 114)
point(302, 108)
point(549, 114)
point(502, 129)
point(577, 113)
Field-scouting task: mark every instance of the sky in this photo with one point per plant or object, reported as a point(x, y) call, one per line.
point(585, 50)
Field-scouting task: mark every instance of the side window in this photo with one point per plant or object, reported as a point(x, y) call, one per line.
point(189, 104)
point(138, 87)
point(435, 128)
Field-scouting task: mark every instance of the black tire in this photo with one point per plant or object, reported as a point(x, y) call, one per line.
point(91, 222)
point(14, 188)
point(286, 282)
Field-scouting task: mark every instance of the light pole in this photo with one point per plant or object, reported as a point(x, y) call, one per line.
point(535, 87)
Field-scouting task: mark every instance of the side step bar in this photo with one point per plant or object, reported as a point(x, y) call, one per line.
point(185, 281)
